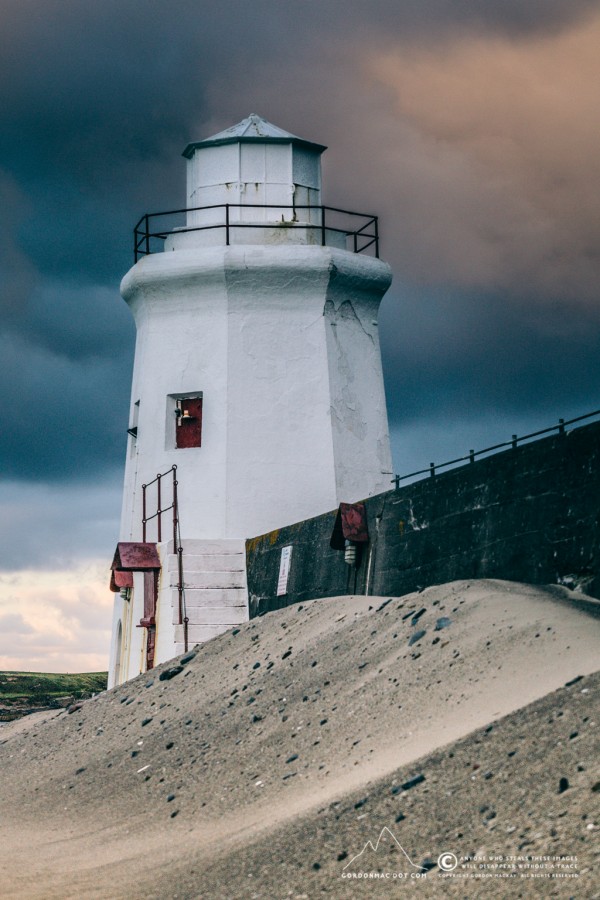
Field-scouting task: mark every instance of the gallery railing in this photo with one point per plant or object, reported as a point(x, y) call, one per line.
point(360, 231)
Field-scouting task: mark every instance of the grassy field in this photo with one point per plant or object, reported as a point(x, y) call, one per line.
point(22, 692)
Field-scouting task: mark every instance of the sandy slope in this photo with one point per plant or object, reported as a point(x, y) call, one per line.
point(269, 760)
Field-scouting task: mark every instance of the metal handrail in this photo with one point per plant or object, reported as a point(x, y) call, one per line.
point(142, 235)
point(513, 443)
point(177, 548)
point(160, 509)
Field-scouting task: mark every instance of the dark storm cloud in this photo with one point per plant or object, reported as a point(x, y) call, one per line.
point(62, 419)
point(56, 526)
point(460, 357)
point(88, 89)
point(74, 322)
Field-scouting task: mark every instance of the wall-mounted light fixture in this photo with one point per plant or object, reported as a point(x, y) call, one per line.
point(183, 413)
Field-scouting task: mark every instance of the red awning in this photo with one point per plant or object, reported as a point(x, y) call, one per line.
point(131, 556)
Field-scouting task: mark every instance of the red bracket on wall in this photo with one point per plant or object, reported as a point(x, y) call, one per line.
point(350, 525)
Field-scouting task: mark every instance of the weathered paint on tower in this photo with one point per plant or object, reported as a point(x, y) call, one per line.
point(257, 370)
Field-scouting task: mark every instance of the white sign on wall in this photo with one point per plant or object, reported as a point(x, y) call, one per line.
point(284, 570)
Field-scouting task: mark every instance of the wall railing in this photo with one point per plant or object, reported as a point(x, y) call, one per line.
point(515, 440)
point(361, 231)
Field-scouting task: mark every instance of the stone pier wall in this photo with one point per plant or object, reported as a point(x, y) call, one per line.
point(527, 514)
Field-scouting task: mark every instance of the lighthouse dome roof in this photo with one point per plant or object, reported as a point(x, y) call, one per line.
point(252, 129)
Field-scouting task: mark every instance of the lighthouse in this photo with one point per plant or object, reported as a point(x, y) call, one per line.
point(257, 393)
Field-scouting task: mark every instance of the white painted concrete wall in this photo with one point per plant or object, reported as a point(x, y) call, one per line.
point(164, 647)
point(114, 650)
point(128, 613)
point(294, 417)
point(358, 408)
point(181, 318)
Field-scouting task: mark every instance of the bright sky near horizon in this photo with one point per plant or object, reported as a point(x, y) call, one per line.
point(471, 129)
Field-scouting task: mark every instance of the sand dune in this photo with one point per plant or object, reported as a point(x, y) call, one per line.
point(274, 755)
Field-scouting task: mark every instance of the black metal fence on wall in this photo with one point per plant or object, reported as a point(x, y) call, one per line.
point(514, 442)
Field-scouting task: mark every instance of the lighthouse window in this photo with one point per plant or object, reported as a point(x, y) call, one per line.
point(133, 430)
point(188, 422)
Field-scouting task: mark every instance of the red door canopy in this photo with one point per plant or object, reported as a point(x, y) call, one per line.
point(131, 556)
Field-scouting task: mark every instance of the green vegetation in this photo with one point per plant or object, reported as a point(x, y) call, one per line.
point(22, 692)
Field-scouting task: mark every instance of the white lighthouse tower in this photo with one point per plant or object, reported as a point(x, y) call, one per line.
point(257, 375)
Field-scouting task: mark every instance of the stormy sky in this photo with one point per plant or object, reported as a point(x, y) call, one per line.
point(470, 128)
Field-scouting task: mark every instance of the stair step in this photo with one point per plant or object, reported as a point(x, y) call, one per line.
point(211, 606)
point(198, 547)
point(216, 598)
point(211, 615)
point(207, 562)
point(208, 580)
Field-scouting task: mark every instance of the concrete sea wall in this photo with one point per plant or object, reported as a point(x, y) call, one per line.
point(531, 514)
